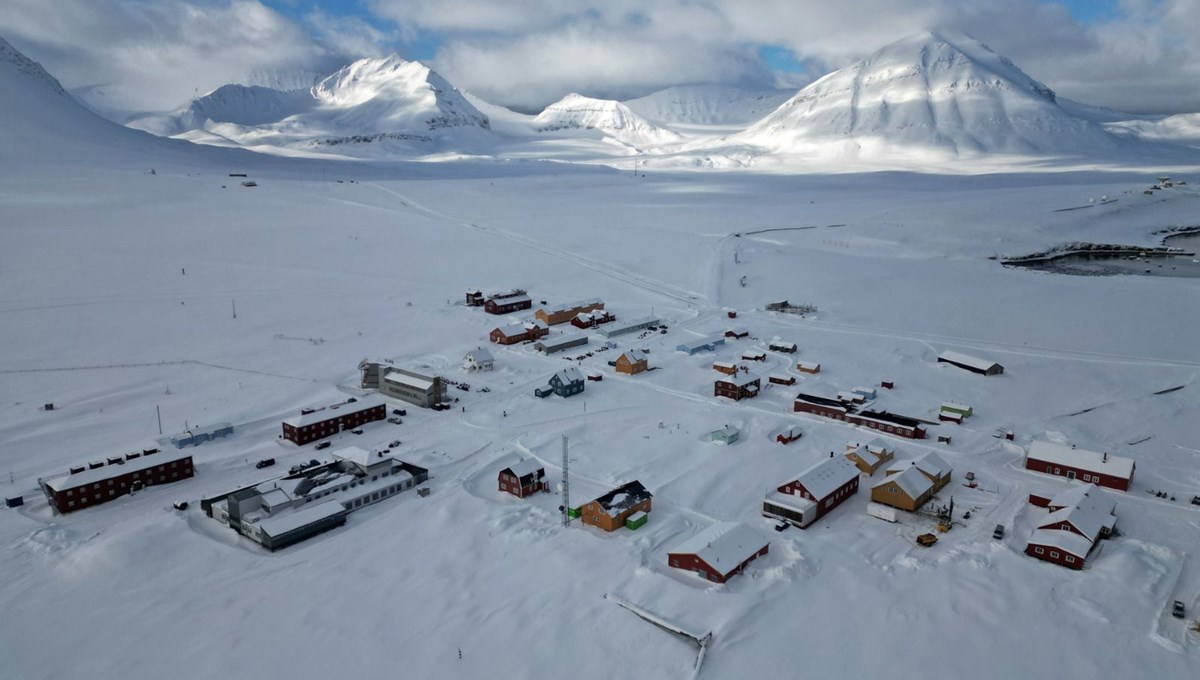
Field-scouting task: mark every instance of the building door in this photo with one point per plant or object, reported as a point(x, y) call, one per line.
point(1070, 474)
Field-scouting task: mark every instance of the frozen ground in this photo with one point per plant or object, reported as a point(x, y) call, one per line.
point(329, 263)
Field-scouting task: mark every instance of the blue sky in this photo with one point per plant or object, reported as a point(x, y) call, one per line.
point(422, 44)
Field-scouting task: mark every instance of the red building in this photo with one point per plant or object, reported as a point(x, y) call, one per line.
point(523, 479)
point(1061, 547)
point(592, 319)
point(1079, 518)
point(737, 387)
point(720, 551)
point(507, 303)
point(518, 332)
point(882, 421)
point(813, 493)
point(313, 424)
point(1114, 472)
point(99, 482)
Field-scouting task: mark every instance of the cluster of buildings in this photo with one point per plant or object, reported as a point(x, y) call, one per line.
point(286, 510)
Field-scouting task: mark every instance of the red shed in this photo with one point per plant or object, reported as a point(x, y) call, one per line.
point(720, 551)
point(523, 479)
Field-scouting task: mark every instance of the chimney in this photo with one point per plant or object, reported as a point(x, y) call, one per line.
point(1105, 459)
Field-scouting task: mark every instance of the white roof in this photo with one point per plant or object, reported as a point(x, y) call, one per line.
point(564, 339)
point(360, 456)
point(525, 467)
point(1082, 459)
point(910, 481)
point(618, 327)
point(568, 306)
point(967, 360)
point(787, 500)
point(1067, 541)
point(508, 300)
point(143, 462)
point(739, 330)
point(827, 476)
point(954, 407)
point(569, 375)
point(275, 497)
point(634, 355)
point(512, 329)
point(808, 364)
point(1091, 511)
point(746, 355)
point(480, 356)
point(929, 462)
point(723, 545)
point(728, 430)
point(724, 364)
point(422, 384)
point(710, 340)
point(780, 376)
point(329, 412)
point(276, 526)
point(740, 380)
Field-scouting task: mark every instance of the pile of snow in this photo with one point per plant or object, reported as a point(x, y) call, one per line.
point(611, 118)
point(934, 91)
point(708, 104)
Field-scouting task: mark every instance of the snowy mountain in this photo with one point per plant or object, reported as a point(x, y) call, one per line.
point(403, 104)
point(237, 104)
point(611, 118)
point(709, 104)
point(43, 122)
point(935, 91)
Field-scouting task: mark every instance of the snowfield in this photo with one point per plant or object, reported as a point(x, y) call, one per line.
point(117, 293)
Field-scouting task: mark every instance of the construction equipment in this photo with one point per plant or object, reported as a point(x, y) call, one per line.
point(943, 527)
point(926, 540)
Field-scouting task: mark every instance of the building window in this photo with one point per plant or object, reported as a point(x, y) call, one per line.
point(1070, 559)
point(1039, 551)
point(1054, 554)
point(70, 504)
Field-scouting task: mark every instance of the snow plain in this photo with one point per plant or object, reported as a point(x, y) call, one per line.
point(329, 262)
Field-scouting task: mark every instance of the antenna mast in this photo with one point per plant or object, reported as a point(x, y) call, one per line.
point(566, 485)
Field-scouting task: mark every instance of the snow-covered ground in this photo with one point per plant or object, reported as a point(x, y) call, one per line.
point(117, 289)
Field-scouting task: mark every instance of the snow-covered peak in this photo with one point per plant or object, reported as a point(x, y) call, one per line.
point(613, 118)
point(368, 79)
point(937, 91)
point(20, 66)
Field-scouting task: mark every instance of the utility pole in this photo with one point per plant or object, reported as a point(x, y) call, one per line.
point(158, 412)
point(234, 302)
point(566, 485)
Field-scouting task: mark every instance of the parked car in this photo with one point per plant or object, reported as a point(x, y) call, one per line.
point(1177, 609)
point(399, 412)
point(183, 505)
point(395, 421)
point(357, 430)
point(782, 526)
point(998, 532)
point(394, 444)
point(265, 462)
point(321, 445)
point(351, 400)
point(1195, 500)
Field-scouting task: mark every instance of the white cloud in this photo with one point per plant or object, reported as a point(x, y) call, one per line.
point(1137, 62)
point(155, 54)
